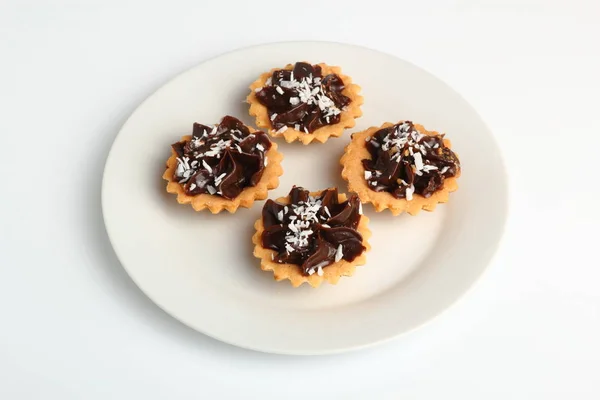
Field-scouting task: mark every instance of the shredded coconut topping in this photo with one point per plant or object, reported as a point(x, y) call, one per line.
point(339, 253)
point(205, 165)
point(183, 171)
point(318, 268)
point(310, 91)
point(409, 192)
point(304, 214)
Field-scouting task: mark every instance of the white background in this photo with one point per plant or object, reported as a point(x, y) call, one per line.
point(74, 326)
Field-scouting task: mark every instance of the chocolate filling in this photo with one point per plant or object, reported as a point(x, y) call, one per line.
point(302, 98)
point(404, 161)
point(221, 160)
point(312, 232)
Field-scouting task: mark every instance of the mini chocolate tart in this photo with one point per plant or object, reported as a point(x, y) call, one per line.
point(305, 102)
point(400, 167)
point(311, 237)
point(223, 166)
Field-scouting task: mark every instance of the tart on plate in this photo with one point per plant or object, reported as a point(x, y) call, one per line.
point(223, 166)
point(400, 167)
point(311, 237)
point(305, 102)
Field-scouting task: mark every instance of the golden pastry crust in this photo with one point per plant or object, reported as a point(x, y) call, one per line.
point(216, 204)
point(331, 273)
point(354, 173)
point(347, 116)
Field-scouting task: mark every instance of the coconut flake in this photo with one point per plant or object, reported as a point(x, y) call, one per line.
point(273, 116)
point(368, 175)
point(320, 271)
point(205, 165)
point(339, 253)
point(418, 161)
point(280, 215)
point(288, 248)
point(282, 129)
point(211, 190)
point(260, 147)
point(409, 192)
point(219, 179)
point(180, 169)
point(279, 89)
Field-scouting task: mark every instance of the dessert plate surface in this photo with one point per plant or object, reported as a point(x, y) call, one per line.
point(199, 267)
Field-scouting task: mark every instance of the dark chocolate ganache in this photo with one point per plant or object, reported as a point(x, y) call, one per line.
point(302, 98)
point(312, 231)
point(222, 159)
point(404, 161)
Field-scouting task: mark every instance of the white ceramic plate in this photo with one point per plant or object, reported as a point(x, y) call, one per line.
point(199, 267)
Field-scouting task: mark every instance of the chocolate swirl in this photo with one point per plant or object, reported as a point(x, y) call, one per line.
point(302, 98)
point(404, 161)
point(222, 159)
point(312, 232)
